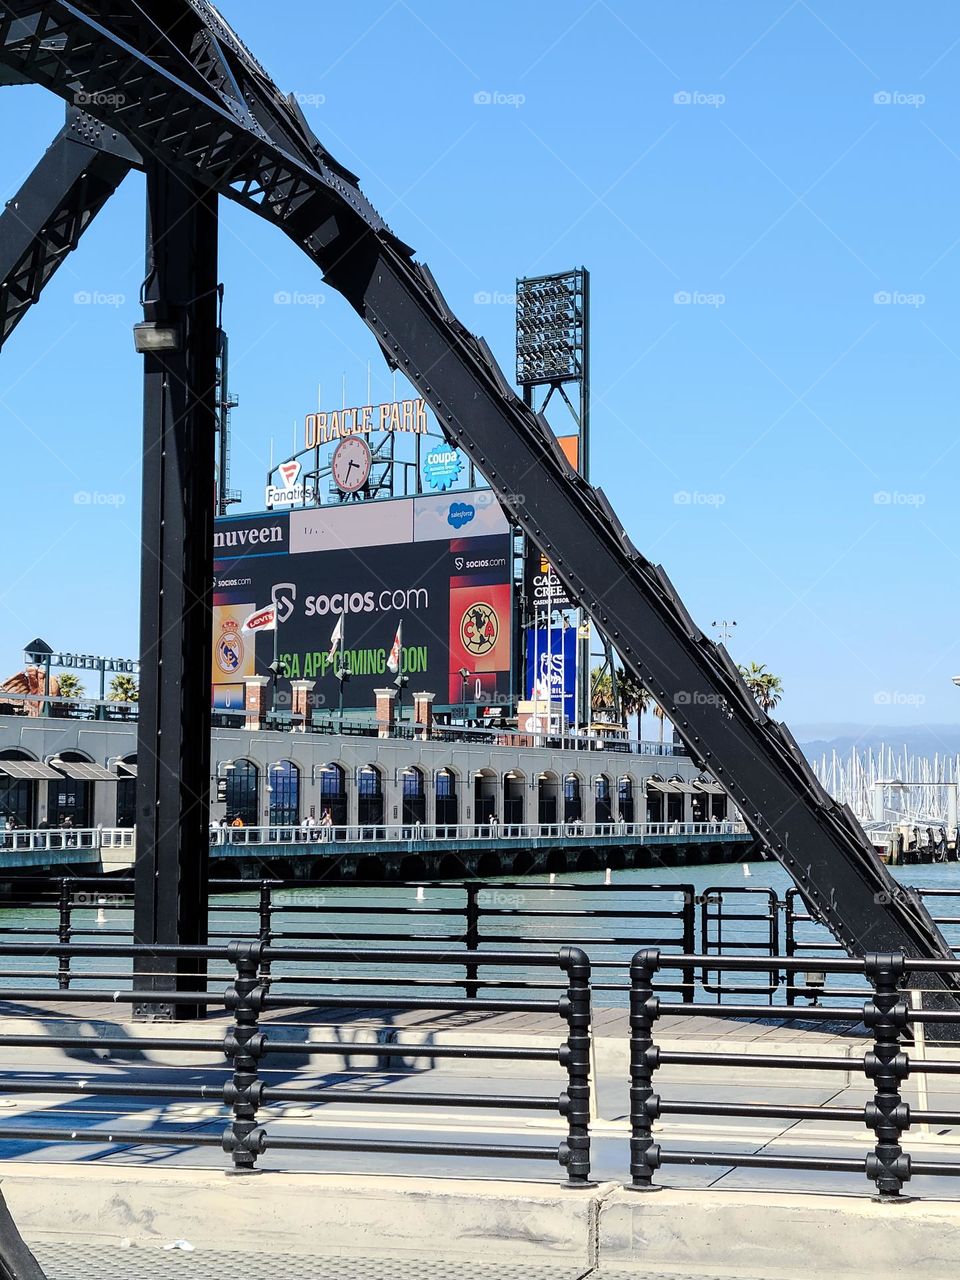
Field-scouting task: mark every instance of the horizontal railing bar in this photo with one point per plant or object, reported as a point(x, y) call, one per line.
point(28, 1133)
point(279, 1094)
point(773, 1110)
point(386, 1146)
point(442, 1002)
point(744, 1160)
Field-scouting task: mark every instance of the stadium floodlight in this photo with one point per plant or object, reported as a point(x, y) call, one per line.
point(550, 329)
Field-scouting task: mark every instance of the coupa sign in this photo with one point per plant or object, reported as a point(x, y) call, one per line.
point(442, 467)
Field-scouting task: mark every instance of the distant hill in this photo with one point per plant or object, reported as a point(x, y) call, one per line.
point(919, 739)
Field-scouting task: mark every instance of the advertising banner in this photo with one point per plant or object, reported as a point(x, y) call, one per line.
point(363, 563)
point(552, 666)
point(541, 586)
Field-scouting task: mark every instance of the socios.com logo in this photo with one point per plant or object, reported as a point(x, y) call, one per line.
point(367, 601)
point(460, 513)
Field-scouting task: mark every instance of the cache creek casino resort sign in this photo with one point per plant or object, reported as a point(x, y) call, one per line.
point(440, 564)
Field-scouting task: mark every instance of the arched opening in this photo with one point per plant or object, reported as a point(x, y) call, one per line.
point(655, 800)
point(572, 799)
point(602, 801)
point(333, 794)
point(489, 865)
point(18, 794)
point(485, 798)
point(243, 793)
point(284, 780)
point(625, 807)
point(675, 800)
point(413, 867)
point(70, 800)
point(548, 790)
point(414, 797)
point(369, 801)
point(127, 792)
point(514, 787)
point(451, 867)
point(699, 806)
point(447, 807)
point(371, 868)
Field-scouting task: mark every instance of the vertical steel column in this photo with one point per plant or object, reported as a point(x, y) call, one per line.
point(173, 739)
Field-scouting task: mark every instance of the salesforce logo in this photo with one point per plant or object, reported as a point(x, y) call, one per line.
point(460, 513)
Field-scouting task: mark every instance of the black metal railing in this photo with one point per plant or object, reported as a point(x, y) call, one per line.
point(610, 921)
point(249, 1045)
point(887, 1063)
point(478, 916)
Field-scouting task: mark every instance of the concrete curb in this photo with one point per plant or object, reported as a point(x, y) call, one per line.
point(306, 1214)
point(761, 1233)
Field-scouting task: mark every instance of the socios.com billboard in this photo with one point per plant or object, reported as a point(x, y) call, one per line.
point(440, 565)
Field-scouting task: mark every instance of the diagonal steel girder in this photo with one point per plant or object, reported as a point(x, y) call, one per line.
point(43, 223)
point(256, 149)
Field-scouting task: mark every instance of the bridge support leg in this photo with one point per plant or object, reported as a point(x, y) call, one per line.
point(178, 340)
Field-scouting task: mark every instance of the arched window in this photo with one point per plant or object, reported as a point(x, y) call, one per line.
point(513, 789)
point(572, 802)
point(414, 796)
point(285, 796)
point(71, 797)
point(243, 792)
point(333, 794)
point(625, 799)
point(675, 803)
point(547, 798)
point(369, 797)
point(603, 809)
point(127, 792)
point(18, 795)
point(446, 796)
point(654, 800)
point(485, 786)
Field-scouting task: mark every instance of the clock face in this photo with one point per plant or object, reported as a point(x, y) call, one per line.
point(350, 466)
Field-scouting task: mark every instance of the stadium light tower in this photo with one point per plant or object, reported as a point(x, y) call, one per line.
point(553, 347)
point(553, 354)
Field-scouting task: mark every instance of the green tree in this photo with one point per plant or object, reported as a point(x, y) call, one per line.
point(71, 686)
point(124, 688)
point(766, 688)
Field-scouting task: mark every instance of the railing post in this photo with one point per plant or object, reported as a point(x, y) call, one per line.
point(689, 975)
point(574, 1152)
point(472, 938)
point(644, 1059)
point(886, 1065)
point(266, 921)
point(63, 936)
point(243, 1044)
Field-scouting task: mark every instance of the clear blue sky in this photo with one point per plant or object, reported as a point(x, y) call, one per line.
point(784, 186)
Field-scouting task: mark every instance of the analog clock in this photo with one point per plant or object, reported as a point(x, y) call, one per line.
point(350, 466)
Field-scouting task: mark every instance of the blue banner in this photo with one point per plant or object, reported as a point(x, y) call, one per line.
point(552, 666)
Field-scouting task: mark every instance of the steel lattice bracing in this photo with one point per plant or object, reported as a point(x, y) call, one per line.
point(197, 101)
point(44, 221)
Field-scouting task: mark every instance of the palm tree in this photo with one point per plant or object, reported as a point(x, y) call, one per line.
point(124, 688)
point(661, 715)
point(766, 688)
point(71, 686)
point(601, 690)
point(634, 698)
